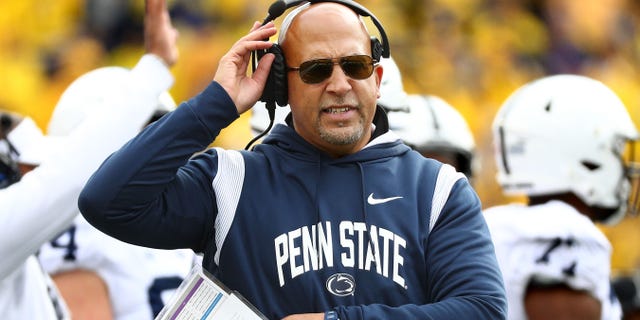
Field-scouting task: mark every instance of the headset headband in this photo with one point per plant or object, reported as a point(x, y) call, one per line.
point(278, 8)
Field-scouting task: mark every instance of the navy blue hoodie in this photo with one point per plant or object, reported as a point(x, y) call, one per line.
point(379, 234)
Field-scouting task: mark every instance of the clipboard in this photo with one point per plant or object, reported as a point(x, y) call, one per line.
point(201, 296)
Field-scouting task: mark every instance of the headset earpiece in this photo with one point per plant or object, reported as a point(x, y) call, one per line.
point(376, 49)
point(276, 86)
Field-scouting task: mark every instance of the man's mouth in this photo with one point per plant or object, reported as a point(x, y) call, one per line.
point(336, 110)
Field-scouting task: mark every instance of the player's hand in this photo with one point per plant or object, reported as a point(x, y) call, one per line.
point(305, 316)
point(232, 75)
point(160, 37)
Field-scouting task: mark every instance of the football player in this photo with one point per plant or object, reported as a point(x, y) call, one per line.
point(93, 271)
point(560, 141)
point(43, 202)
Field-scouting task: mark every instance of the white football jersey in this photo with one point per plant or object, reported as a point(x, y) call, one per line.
point(140, 280)
point(29, 293)
point(551, 242)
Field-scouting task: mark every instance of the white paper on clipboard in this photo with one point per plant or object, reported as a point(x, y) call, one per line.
point(203, 297)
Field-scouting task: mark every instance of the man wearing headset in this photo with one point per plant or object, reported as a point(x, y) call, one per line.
point(331, 216)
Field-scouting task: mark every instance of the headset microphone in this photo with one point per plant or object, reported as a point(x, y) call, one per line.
point(276, 9)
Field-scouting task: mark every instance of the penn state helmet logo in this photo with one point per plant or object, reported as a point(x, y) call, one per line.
point(341, 284)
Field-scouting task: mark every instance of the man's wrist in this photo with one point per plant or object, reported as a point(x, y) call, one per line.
point(331, 315)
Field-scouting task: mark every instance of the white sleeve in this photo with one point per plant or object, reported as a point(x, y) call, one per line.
point(44, 202)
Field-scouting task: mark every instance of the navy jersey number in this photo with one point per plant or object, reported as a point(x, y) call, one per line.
point(69, 246)
point(554, 244)
point(158, 286)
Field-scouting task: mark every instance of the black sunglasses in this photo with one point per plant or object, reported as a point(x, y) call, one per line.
point(315, 71)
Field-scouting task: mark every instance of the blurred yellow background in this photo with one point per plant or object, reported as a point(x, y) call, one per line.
point(472, 53)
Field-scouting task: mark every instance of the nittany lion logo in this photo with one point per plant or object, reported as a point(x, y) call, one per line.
point(341, 284)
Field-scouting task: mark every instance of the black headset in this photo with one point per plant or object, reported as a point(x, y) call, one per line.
point(275, 90)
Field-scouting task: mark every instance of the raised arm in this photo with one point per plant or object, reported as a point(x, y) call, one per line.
point(139, 194)
point(44, 202)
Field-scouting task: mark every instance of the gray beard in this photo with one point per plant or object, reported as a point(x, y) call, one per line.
point(341, 139)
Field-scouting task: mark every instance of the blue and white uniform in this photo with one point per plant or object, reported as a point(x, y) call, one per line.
point(379, 234)
point(551, 243)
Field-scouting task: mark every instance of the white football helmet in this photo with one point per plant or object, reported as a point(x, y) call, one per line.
point(431, 125)
point(565, 133)
point(392, 94)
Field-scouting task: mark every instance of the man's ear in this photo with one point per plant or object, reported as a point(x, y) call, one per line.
point(378, 73)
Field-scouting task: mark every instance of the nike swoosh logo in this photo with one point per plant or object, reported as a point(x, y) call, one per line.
point(373, 201)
